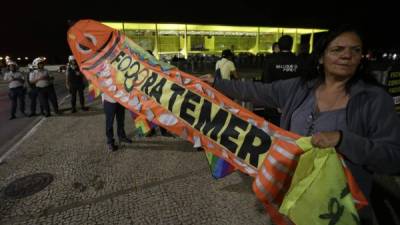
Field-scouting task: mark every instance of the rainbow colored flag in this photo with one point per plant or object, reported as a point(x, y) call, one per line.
point(142, 126)
point(219, 167)
point(94, 92)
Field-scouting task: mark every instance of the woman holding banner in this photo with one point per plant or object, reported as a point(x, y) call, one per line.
point(336, 104)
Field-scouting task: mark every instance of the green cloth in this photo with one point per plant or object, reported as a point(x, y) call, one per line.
point(319, 194)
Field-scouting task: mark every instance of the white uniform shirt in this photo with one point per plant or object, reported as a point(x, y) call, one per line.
point(31, 76)
point(11, 76)
point(226, 67)
point(40, 74)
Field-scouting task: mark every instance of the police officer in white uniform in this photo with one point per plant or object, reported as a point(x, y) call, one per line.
point(40, 77)
point(16, 88)
point(33, 93)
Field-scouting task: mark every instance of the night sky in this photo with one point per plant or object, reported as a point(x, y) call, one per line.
point(37, 28)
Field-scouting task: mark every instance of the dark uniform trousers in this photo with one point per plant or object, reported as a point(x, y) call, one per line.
point(74, 89)
point(17, 94)
point(44, 99)
point(52, 96)
point(33, 95)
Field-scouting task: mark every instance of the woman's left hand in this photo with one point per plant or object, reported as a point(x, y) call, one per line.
point(326, 139)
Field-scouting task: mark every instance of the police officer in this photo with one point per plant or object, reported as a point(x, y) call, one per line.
point(280, 66)
point(52, 91)
point(16, 88)
point(75, 83)
point(33, 93)
point(41, 78)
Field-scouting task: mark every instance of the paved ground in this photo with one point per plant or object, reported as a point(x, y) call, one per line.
point(156, 180)
point(12, 130)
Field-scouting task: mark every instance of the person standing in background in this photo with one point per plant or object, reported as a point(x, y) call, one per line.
point(16, 88)
point(75, 83)
point(280, 66)
point(113, 109)
point(225, 66)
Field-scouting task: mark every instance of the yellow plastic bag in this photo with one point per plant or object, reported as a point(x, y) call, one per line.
point(319, 193)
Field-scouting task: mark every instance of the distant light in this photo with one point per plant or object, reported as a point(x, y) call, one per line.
point(26, 58)
point(7, 57)
point(19, 59)
point(394, 56)
point(1, 58)
point(384, 55)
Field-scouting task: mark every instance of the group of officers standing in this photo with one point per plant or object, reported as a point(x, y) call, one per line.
point(38, 83)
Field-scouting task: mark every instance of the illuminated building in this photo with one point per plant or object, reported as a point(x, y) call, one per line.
point(185, 39)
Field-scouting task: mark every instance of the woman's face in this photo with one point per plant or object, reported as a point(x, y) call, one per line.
point(342, 56)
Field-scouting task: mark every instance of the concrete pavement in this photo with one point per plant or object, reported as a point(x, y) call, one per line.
point(13, 130)
point(155, 180)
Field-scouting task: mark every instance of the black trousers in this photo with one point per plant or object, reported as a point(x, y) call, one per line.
point(74, 90)
point(53, 97)
point(44, 99)
point(17, 95)
point(114, 110)
point(33, 96)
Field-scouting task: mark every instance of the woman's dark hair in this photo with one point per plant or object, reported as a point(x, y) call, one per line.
point(313, 69)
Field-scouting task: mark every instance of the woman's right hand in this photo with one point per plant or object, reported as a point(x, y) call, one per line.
point(208, 78)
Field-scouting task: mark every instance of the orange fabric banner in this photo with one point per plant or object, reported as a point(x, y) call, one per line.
point(188, 107)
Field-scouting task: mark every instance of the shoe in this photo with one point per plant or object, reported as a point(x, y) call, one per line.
point(32, 114)
point(125, 139)
point(84, 108)
point(12, 117)
point(200, 149)
point(112, 147)
point(47, 115)
point(73, 111)
point(23, 113)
